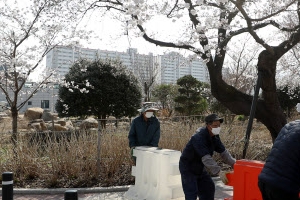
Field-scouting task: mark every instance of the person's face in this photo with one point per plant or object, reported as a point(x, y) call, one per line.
point(214, 124)
point(148, 114)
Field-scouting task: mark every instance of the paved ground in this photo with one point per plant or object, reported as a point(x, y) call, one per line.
point(102, 196)
point(114, 193)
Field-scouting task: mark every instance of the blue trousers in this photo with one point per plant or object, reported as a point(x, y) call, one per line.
point(194, 186)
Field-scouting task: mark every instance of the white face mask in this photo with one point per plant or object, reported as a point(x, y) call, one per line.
point(149, 114)
point(216, 131)
point(298, 107)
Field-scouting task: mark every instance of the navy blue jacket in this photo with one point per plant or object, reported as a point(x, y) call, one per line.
point(200, 144)
point(144, 133)
point(282, 167)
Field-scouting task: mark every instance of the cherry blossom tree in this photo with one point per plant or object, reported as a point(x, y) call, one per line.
point(28, 31)
point(289, 68)
point(239, 69)
point(206, 28)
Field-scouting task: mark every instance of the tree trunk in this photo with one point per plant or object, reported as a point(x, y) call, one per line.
point(103, 121)
point(146, 90)
point(272, 115)
point(268, 110)
point(14, 114)
point(14, 138)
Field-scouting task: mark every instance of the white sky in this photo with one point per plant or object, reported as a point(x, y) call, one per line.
point(112, 36)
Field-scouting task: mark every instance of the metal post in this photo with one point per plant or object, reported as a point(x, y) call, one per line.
point(71, 195)
point(7, 186)
point(252, 113)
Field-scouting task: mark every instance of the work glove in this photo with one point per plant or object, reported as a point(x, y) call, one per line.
point(223, 176)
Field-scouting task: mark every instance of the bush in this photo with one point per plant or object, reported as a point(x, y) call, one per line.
point(241, 117)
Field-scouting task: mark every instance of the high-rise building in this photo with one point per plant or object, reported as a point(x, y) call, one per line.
point(165, 68)
point(173, 66)
point(61, 59)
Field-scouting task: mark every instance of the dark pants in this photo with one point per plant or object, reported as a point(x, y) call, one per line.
point(269, 192)
point(197, 185)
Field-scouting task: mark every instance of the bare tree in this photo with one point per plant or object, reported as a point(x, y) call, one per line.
point(239, 69)
point(289, 66)
point(207, 27)
point(27, 33)
point(144, 70)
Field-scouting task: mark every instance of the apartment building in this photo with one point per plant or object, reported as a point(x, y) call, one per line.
point(165, 68)
point(173, 66)
point(61, 59)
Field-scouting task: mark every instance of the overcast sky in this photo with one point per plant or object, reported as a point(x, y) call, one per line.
point(112, 37)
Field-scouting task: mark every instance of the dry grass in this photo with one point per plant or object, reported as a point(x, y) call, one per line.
point(72, 161)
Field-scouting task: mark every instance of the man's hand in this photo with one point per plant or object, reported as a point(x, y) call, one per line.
point(223, 176)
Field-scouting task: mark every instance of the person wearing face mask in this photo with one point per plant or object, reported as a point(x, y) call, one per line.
point(196, 162)
point(145, 129)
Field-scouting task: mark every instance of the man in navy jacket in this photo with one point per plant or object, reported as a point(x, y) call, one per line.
point(145, 129)
point(280, 176)
point(196, 159)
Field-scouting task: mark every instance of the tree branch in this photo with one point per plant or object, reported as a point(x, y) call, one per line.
point(239, 5)
point(45, 81)
point(275, 13)
point(114, 4)
point(167, 44)
point(175, 5)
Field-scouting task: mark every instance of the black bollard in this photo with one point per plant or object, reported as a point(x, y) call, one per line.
point(71, 195)
point(7, 186)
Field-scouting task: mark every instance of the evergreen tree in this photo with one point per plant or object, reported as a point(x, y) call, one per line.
point(101, 88)
point(190, 101)
point(165, 94)
point(288, 97)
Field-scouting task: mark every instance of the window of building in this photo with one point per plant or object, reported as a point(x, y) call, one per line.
point(29, 103)
point(28, 85)
point(45, 104)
